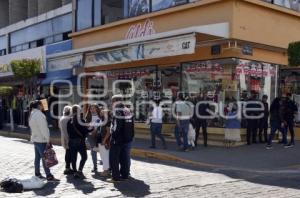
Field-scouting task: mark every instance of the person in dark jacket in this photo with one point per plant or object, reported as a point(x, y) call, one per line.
point(200, 111)
point(252, 122)
point(289, 115)
point(263, 122)
point(277, 122)
point(122, 134)
point(78, 133)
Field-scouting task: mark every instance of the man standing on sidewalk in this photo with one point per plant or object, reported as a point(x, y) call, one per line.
point(122, 133)
point(40, 136)
point(183, 115)
point(289, 116)
point(263, 122)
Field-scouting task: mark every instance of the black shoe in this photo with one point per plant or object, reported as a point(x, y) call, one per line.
point(79, 175)
point(152, 147)
point(51, 178)
point(95, 170)
point(39, 175)
point(68, 172)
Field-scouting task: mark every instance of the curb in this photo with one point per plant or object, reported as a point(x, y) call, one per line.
point(141, 153)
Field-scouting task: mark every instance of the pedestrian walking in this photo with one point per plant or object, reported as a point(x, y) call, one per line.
point(277, 122)
point(40, 136)
point(103, 141)
point(264, 121)
point(183, 115)
point(122, 134)
point(78, 133)
point(232, 127)
point(289, 117)
point(156, 126)
point(94, 120)
point(63, 124)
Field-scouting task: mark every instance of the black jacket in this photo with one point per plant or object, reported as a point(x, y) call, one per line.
point(122, 126)
point(77, 130)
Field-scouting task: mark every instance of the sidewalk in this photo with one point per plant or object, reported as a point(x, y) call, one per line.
point(244, 158)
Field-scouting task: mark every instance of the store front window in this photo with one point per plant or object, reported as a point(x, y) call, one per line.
point(228, 80)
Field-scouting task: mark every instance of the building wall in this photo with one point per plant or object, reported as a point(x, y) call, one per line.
point(265, 23)
point(32, 8)
point(17, 10)
point(165, 20)
point(46, 5)
point(3, 13)
point(64, 2)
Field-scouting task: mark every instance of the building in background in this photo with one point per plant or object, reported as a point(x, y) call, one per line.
point(27, 28)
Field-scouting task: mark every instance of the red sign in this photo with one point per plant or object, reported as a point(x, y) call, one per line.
point(140, 30)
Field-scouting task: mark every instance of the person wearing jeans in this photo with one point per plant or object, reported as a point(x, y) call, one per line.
point(156, 126)
point(183, 114)
point(40, 136)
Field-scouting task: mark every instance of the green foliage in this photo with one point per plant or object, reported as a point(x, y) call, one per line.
point(26, 68)
point(5, 90)
point(294, 54)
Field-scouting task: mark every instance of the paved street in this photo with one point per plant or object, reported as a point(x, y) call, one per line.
point(150, 179)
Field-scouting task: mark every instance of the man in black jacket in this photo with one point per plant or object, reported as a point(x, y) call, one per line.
point(291, 110)
point(263, 122)
point(122, 134)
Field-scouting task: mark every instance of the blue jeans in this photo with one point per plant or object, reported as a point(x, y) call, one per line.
point(39, 149)
point(184, 129)
point(274, 127)
point(178, 135)
point(156, 131)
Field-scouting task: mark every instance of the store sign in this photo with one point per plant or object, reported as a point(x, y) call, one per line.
point(255, 69)
point(163, 48)
point(64, 63)
point(140, 30)
point(206, 67)
point(36, 53)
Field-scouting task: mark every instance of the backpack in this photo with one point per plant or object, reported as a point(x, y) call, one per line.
point(11, 185)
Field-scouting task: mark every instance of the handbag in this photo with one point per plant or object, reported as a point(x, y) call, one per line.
point(50, 157)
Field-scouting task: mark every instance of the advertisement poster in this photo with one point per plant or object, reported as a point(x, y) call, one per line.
point(138, 7)
point(164, 4)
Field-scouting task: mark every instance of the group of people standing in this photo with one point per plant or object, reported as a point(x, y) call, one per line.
point(109, 133)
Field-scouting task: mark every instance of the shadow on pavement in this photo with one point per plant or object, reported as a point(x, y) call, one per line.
point(133, 188)
point(84, 186)
point(48, 189)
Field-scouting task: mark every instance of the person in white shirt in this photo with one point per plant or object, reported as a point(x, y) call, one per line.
point(156, 126)
point(40, 136)
point(63, 123)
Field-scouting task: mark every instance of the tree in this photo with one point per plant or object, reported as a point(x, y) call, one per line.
point(27, 70)
point(294, 54)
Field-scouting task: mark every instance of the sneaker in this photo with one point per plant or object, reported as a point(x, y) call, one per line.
point(289, 146)
point(68, 172)
point(269, 147)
